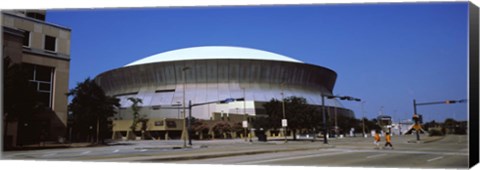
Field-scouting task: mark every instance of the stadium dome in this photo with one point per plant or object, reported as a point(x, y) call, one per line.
point(205, 76)
point(213, 52)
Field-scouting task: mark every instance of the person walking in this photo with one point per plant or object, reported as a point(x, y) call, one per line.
point(376, 140)
point(388, 140)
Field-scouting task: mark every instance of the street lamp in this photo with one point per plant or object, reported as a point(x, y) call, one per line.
point(363, 119)
point(336, 125)
point(184, 130)
point(178, 114)
point(324, 120)
point(283, 110)
point(244, 117)
point(349, 98)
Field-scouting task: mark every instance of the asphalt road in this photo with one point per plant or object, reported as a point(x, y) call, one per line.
point(449, 152)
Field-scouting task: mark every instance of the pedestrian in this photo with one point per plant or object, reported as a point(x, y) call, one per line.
point(376, 140)
point(388, 140)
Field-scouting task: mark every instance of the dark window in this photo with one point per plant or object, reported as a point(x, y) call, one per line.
point(171, 124)
point(44, 87)
point(44, 99)
point(159, 123)
point(26, 38)
point(164, 91)
point(50, 43)
point(43, 73)
point(41, 78)
point(36, 16)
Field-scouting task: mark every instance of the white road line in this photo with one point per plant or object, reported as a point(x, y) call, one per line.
point(374, 156)
point(50, 154)
point(433, 159)
point(115, 151)
point(409, 152)
point(143, 150)
point(86, 152)
point(289, 158)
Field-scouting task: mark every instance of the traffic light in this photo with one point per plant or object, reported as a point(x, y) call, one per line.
point(420, 119)
point(415, 117)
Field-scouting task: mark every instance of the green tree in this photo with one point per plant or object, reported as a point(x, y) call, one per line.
point(136, 116)
point(91, 109)
point(300, 115)
point(200, 128)
point(222, 128)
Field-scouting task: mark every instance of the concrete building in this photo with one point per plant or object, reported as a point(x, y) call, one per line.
point(209, 74)
point(44, 50)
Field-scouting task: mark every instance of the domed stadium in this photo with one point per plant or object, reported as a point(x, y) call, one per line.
point(206, 75)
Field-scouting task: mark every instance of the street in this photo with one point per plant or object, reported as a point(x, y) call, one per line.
point(449, 152)
point(437, 152)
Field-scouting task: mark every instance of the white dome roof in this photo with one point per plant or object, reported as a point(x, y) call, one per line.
point(213, 52)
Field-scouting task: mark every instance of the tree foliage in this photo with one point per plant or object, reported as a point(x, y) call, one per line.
point(90, 106)
point(300, 115)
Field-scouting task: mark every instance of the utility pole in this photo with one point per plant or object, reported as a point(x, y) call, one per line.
point(184, 130)
point(363, 119)
point(283, 110)
point(416, 116)
point(244, 116)
point(189, 122)
point(324, 121)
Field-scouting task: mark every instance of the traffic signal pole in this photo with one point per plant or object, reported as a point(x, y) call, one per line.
point(415, 115)
point(416, 119)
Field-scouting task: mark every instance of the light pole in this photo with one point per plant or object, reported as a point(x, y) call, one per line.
point(416, 116)
point(363, 119)
point(178, 114)
point(184, 130)
point(341, 98)
point(283, 111)
point(324, 120)
point(244, 116)
point(336, 126)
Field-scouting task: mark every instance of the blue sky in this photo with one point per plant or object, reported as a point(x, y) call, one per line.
point(385, 54)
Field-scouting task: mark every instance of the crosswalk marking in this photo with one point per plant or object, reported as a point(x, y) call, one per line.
point(50, 154)
point(86, 152)
point(373, 156)
point(295, 157)
point(433, 159)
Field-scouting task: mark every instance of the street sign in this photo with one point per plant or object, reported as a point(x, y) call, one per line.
point(245, 124)
point(284, 122)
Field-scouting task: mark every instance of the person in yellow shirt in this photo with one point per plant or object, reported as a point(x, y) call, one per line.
point(376, 141)
point(388, 140)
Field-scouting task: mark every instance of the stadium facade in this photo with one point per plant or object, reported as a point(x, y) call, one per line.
point(208, 74)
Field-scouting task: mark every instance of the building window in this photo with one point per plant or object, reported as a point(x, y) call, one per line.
point(41, 77)
point(26, 38)
point(50, 43)
point(36, 15)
